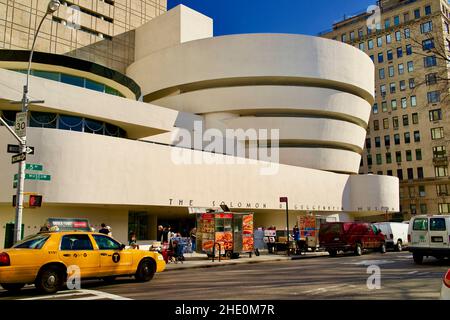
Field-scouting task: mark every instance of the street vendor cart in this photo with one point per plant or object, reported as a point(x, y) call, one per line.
point(228, 234)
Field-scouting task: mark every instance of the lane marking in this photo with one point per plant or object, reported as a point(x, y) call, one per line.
point(413, 272)
point(94, 293)
point(369, 262)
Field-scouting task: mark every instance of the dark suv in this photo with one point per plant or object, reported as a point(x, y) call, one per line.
point(350, 236)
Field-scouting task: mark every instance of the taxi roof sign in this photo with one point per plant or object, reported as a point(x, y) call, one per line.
point(67, 224)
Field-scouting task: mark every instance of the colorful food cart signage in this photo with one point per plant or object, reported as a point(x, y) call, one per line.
point(307, 226)
point(247, 233)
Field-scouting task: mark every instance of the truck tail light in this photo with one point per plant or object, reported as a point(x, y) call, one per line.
point(4, 259)
point(392, 236)
point(447, 279)
point(409, 238)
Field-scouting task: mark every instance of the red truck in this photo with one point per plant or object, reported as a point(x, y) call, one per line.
point(350, 236)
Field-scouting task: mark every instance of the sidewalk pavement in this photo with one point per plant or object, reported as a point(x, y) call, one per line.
point(196, 260)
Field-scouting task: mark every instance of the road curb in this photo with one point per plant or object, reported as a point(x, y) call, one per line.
point(212, 265)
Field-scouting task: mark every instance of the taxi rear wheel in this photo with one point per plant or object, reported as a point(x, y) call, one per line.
point(146, 270)
point(12, 287)
point(49, 280)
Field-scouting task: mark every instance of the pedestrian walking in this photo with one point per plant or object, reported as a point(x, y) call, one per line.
point(133, 241)
point(193, 235)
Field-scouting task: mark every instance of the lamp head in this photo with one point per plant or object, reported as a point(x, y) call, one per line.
point(53, 6)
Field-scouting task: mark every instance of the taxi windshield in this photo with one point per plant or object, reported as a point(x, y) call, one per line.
point(32, 242)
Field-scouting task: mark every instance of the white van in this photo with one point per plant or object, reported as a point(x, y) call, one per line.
point(429, 236)
point(395, 233)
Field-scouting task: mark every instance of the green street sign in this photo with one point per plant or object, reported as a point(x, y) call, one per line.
point(34, 176)
point(34, 167)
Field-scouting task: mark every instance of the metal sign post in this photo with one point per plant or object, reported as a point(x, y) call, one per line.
point(285, 200)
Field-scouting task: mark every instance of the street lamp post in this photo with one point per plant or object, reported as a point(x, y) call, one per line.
point(52, 7)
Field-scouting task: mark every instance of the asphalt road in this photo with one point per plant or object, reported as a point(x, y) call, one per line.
point(343, 277)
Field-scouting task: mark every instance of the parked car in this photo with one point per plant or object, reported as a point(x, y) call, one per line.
point(429, 237)
point(396, 234)
point(350, 236)
point(445, 291)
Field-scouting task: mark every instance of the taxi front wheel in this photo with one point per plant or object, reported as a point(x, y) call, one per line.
point(145, 271)
point(49, 280)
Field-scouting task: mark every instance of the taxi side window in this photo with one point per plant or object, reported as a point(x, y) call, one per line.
point(76, 242)
point(106, 243)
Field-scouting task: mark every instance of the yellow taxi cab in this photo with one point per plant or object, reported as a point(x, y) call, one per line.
point(43, 259)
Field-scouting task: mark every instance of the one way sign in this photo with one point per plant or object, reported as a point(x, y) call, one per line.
point(14, 148)
point(18, 158)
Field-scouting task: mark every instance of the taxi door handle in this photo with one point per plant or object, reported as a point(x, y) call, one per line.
point(66, 255)
point(103, 254)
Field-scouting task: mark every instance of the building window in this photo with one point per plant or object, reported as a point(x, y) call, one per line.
point(387, 23)
point(423, 208)
point(439, 152)
point(404, 103)
point(384, 106)
point(407, 137)
point(390, 55)
point(372, 58)
point(434, 96)
point(405, 120)
point(410, 66)
point(409, 50)
point(392, 87)
point(415, 118)
point(381, 73)
point(397, 139)
point(388, 38)
point(426, 27)
point(394, 104)
point(400, 174)
point(379, 160)
point(380, 57)
point(375, 108)
point(386, 123)
point(417, 14)
point(368, 143)
point(360, 33)
point(418, 154)
point(391, 71)
point(444, 207)
point(437, 133)
point(427, 10)
point(413, 101)
point(388, 157)
point(402, 85)
point(379, 42)
point(389, 173)
point(422, 191)
point(399, 52)
point(431, 79)
point(369, 159)
point(420, 173)
point(407, 33)
point(412, 83)
point(416, 136)
point(428, 44)
point(344, 38)
point(429, 61)
point(370, 44)
point(376, 125)
point(377, 142)
point(395, 122)
point(441, 171)
point(410, 173)
point(387, 141)
point(383, 90)
point(409, 155)
point(361, 46)
point(352, 35)
point(442, 190)
point(435, 115)
point(398, 156)
point(396, 20)
point(398, 36)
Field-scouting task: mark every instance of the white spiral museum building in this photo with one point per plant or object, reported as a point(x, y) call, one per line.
point(318, 93)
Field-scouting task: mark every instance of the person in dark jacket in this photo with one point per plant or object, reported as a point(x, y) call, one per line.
point(104, 229)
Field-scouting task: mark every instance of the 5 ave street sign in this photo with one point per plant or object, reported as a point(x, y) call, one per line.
point(34, 167)
point(18, 158)
point(15, 148)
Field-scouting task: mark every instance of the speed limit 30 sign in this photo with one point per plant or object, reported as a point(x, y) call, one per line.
point(21, 124)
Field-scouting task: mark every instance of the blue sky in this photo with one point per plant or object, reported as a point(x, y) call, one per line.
point(274, 16)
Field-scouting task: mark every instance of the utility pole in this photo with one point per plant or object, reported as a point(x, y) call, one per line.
point(52, 7)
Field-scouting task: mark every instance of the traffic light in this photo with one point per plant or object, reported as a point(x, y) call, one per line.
point(35, 201)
